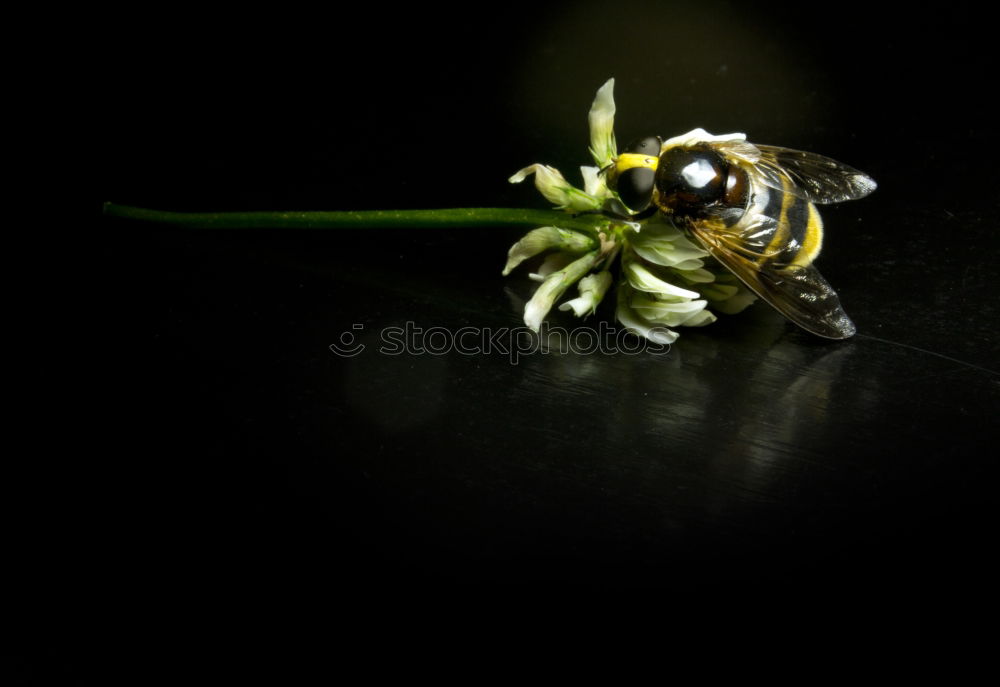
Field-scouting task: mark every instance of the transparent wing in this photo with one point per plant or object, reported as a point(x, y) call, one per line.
point(799, 292)
point(814, 177)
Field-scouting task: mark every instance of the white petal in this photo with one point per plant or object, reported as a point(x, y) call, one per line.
point(552, 263)
point(554, 287)
point(641, 278)
point(583, 305)
point(700, 319)
point(664, 244)
point(669, 314)
point(594, 182)
point(592, 288)
point(597, 284)
point(697, 275)
point(653, 308)
point(545, 238)
point(737, 303)
point(734, 144)
point(719, 292)
point(553, 185)
point(637, 324)
point(523, 174)
point(602, 125)
point(701, 136)
point(685, 265)
point(668, 252)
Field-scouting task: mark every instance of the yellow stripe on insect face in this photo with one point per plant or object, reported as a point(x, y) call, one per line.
point(813, 239)
point(630, 160)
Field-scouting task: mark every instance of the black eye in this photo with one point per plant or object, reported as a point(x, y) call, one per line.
point(635, 188)
point(645, 146)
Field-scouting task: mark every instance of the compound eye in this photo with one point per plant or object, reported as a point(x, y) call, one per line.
point(645, 146)
point(635, 188)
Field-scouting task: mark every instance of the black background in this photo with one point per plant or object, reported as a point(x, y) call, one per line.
point(227, 455)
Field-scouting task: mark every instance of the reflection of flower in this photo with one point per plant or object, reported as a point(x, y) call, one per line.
point(667, 280)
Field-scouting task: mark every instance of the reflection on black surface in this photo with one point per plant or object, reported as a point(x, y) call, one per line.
point(394, 392)
point(751, 440)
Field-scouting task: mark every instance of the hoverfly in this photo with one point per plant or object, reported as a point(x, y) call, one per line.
point(752, 207)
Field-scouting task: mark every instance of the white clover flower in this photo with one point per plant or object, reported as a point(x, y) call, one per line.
point(667, 280)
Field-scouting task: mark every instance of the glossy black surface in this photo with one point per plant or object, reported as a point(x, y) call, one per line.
point(238, 453)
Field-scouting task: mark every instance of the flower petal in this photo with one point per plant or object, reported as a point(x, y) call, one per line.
point(551, 183)
point(719, 292)
point(734, 297)
point(554, 287)
point(687, 265)
point(593, 287)
point(699, 135)
point(552, 263)
point(734, 144)
point(637, 324)
point(700, 319)
point(545, 238)
point(737, 303)
point(602, 125)
point(667, 312)
point(594, 182)
point(696, 275)
point(664, 244)
point(641, 278)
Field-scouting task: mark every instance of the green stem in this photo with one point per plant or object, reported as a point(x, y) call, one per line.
point(425, 219)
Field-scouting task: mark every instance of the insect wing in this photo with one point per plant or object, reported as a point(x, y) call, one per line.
point(799, 292)
point(816, 178)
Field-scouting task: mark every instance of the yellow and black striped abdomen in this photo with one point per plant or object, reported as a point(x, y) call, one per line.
point(788, 228)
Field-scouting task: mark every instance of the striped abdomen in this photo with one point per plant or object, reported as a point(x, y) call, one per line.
point(779, 228)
